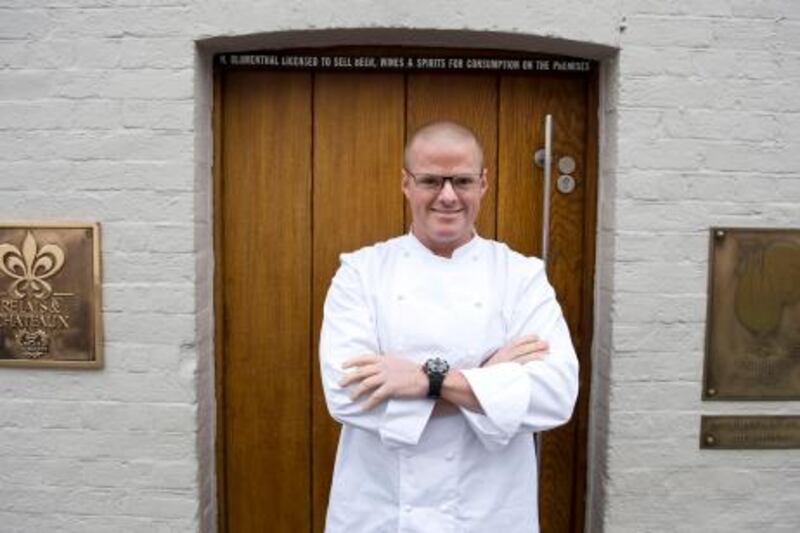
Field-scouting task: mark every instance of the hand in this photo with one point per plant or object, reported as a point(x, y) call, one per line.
point(385, 376)
point(522, 350)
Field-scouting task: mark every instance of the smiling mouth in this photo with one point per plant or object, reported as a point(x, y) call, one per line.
point(440, 212)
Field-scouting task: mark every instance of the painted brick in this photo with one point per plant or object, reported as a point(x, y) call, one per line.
point(138, 21)
point(690, 216)
point(124, 83)
point(709, 8)
point(60, 115)
point(654, 454)
point(142, 358)
point(150, 327)
point(655, 341)
point(662, 246)
point(688, 32)
point(155, 237)
point(89, 145)
point(745, 33)
point(643, 61)
point(152, 297)
point(138, 53)
point(748, 64)
point(96, 175)
point(648, 277)
point(176, 115)
point(664, 366)
point(26, 85)
point(149, 267)
point(660, 309)
point(25, 23)
point(672, 395)
point(727, 125)
point(734, 94)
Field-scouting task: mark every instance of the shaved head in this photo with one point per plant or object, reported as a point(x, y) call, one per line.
point(441, 132)
point(448, 156)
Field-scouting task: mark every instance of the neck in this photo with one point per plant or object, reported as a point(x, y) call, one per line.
point(444, 249)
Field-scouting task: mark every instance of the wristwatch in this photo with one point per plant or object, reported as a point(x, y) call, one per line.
point(435, 368)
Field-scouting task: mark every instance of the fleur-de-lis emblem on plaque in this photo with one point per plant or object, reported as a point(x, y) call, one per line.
point(30, 267)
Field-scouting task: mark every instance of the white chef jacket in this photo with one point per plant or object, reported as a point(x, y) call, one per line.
point(399, 469)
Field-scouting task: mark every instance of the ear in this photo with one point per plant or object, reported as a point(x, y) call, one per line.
point(484, 181)
point(405, 183)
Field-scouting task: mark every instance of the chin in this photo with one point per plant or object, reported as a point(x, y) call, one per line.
point(448, 235)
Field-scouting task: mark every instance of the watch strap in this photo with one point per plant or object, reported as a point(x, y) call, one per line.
point(435, 381)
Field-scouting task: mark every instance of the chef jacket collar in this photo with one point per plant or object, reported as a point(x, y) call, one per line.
point(460, 252)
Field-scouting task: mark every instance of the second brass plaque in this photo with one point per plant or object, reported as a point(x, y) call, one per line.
point(753, 321)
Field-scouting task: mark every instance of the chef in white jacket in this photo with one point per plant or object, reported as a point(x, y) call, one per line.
point(441, 353)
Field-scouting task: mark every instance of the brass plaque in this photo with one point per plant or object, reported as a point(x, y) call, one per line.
point(753, 319)
point(750, 432)
point(50, 295)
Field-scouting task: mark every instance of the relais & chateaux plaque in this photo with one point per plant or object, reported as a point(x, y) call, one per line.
point(50, 295)
point(753, 320)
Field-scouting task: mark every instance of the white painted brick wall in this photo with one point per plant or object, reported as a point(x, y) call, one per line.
point(105, 115)
point(97, 123)
point(705, 117)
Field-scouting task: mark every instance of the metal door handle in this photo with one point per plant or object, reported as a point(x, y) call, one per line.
point(544, 158)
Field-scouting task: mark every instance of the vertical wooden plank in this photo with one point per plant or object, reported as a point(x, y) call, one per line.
point(358, 143)
point(267, 267)
point(524, 102)
point(470, 99)
point(519, 198)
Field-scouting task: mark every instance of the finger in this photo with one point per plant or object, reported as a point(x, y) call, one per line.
point(530, 347)
point(524, 339)
point(367, 385)
point(529, 358)
point(522, 349)
point(380, 394)
point(359, 360)
point(359, 374)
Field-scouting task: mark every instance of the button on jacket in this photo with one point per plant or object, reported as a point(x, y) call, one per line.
point(400, 469)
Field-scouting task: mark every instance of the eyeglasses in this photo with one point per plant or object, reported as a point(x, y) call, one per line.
point(435, 182)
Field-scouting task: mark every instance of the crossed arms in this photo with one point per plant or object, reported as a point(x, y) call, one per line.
point(528, 385)
point(387, 376)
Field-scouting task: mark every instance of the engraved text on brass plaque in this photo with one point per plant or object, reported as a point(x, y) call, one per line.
point(750, 432)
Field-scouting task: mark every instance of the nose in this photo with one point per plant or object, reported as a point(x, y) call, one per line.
point(448, 194)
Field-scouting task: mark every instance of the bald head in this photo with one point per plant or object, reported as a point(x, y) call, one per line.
point(441, 132)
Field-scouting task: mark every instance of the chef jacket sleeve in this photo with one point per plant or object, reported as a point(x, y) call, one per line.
point(349, 329)
point(536, 396)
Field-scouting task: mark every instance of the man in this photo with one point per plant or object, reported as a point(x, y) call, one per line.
point(441, 352)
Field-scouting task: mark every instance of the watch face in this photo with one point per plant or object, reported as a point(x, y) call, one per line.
point(436, 365)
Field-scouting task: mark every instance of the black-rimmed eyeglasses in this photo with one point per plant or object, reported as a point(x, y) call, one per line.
point(435, 182)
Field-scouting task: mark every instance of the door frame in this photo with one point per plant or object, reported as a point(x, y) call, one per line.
point(581, 413)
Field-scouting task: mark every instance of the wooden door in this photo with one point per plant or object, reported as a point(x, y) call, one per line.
point(307, 165)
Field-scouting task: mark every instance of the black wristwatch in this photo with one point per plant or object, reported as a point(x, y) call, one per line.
point(435, 368)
